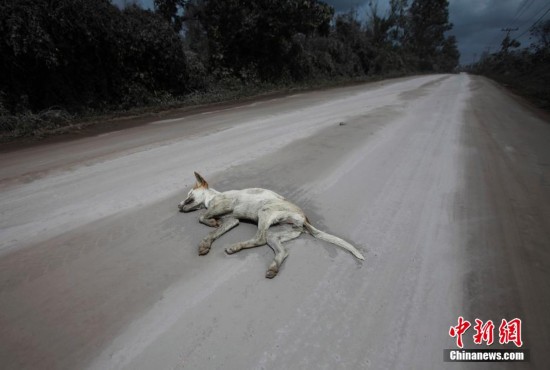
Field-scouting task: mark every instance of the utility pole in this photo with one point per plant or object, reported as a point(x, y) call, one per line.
point(508, 30)
point(507, 42)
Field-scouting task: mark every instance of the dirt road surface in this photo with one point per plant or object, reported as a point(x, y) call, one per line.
point(442, 181)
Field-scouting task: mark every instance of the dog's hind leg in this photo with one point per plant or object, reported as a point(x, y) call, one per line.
point(226, 225)
point(275, 240)
point(264, 222)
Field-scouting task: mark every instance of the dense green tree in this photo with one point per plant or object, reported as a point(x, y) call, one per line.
point(508, 43)
point(383, 57)
point(172, 11)
point(56, 52)
point(81, 53)
point(247, 35)
point(541, 33)
point(428, 23)
point(350, 32)
point(153, 54)
point(399, 21)
point(449, 55)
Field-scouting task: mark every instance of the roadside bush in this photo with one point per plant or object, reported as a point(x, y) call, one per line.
point(524, 70)
point(33, 124)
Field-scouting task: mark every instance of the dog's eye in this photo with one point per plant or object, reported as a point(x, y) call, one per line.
point(188, 200)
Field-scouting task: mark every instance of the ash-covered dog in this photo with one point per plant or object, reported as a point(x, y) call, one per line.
point(262, 206)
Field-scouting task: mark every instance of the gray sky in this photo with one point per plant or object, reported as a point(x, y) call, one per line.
point(478, 24)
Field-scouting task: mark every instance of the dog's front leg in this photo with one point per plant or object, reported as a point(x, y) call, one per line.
point(226, 225)
point(209, 221)
point(218, 208)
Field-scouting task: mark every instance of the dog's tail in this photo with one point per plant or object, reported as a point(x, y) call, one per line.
point(316, 233)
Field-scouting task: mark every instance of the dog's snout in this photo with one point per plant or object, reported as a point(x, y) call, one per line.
point(184, 206)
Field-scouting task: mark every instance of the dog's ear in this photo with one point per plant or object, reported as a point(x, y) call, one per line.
point(201, 182)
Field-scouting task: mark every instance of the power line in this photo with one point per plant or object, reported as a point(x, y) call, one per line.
point(534, 24)
point(494, 40)
point(540, 10)
point(522, 9)
point(525, 5)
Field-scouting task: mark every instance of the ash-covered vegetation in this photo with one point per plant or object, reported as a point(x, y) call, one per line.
point(62, 59)
point(524, 69)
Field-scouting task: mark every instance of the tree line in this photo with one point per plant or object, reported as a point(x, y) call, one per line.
point(527, 69)
point(85, 55)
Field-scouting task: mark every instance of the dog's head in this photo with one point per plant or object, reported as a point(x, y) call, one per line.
point(196, 196)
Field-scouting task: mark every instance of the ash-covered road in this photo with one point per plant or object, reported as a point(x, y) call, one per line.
point(442, 181)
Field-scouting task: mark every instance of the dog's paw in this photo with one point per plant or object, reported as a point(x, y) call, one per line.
point(204, 248)
point(231, 250)
point(271, 273)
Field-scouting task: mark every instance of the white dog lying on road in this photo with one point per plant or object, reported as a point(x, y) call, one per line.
point(264, 207)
